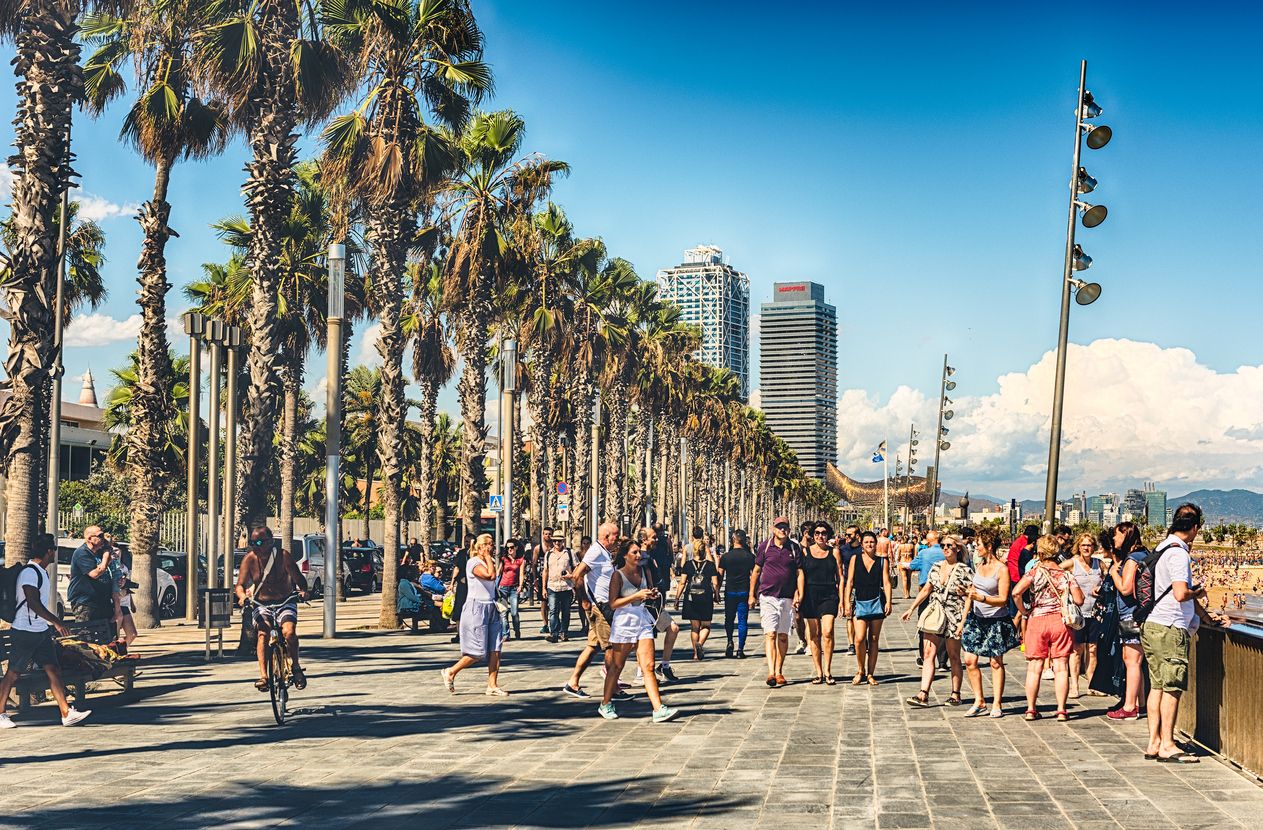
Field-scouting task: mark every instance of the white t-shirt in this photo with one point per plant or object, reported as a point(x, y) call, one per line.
point(597, 579)
point(25, 619)
point(1175, 566)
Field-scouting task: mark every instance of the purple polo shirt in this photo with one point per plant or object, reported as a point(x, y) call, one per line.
point(778, 569)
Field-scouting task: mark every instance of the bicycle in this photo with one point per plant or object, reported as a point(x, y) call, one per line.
point(276, 659)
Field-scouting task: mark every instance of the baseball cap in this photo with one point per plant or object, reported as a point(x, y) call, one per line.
point(780, 520)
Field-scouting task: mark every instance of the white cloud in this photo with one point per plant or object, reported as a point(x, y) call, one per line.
point(95, 208)
point(1134, 412)
point(101, 329)
point(368, 346)
point(6, 183)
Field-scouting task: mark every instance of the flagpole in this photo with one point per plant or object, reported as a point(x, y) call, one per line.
point(885, 488)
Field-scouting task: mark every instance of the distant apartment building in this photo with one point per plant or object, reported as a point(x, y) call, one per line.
point(798, 372)
point(715, 297)
point(1134, 504)
point(1104, 509)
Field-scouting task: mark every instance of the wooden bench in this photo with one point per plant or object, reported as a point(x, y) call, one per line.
point(35, 681)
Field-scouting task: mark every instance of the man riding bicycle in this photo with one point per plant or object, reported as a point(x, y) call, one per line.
point(269, 578)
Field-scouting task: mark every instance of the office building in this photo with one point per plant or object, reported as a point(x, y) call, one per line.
point(714, 296)
point(1134, 505)
point(1155, 506)
point(798, 372)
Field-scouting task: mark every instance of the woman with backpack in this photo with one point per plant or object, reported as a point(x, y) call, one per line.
point(1048, 637)
point(943, 619)
point(700, 590)
point(1129, 552)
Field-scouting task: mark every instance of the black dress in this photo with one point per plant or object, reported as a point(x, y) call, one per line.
point(699, 590)
point(821, 596)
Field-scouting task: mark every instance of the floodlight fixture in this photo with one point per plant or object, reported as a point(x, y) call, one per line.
point(1093, 215)
point(1079, 260)
point(1098, 135)
point(1086, 293)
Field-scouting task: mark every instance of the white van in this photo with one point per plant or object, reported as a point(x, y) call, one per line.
point(309, 554)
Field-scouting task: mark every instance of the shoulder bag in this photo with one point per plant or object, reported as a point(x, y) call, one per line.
point(1071, 614)
point(933, 619)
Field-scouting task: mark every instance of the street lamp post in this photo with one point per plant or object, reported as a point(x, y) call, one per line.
point(944, 414)
point(595, 476)
point(508, 388)
point(195, 328)
point(1097, 136)
point(214, 337)
point(232, 345)
point(336, 261)
point(58, 373)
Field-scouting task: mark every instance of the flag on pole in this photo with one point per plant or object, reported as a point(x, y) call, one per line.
point(878, 456)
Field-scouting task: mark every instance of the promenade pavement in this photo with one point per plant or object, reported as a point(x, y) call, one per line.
point(379, 744)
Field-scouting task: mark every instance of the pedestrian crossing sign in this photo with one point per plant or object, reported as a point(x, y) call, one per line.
point(495, 503)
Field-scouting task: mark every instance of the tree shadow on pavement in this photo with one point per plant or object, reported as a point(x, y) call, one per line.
point(445, 801)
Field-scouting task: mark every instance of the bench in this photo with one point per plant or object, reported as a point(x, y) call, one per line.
point(35, 681)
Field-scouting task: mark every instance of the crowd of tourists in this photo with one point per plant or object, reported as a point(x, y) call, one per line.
point(1098, 616)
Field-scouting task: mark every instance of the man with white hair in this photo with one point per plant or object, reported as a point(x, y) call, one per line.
point(592, 586)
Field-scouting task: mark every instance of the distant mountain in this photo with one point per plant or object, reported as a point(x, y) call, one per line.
point(1229, 506)
point(977, 501)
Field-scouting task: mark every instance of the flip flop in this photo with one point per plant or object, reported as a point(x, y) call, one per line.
point(1179, 758)
point(829, 681)
point(300, 680)
point(261, 684)
point(816, 681)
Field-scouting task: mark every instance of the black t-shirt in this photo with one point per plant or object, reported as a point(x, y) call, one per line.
point(661, 556)
point(737, 564)
point(848, 552)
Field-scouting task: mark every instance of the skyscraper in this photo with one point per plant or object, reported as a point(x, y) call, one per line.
point(714, 296)
point(798, 372)
point(1155, 505)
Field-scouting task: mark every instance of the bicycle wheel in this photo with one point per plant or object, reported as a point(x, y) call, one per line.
point(277, 681)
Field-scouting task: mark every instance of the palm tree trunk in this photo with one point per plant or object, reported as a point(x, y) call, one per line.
point(150, 405)
point(636, 495)
point(50, 81)
point(472, 391)
point(269, 193)
point(292, 381)
point(615, 452)
point(521, 475)
point(579, 500)
point(425, 475)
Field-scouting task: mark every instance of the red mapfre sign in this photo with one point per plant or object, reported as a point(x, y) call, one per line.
point(793, 288)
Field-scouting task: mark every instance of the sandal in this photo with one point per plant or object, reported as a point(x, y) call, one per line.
point(1031, 714)
point(828, 679)
point(921, 699)
point(858, 679)
point(954, 699)
point(1179, 758)
point(977, 710)
point(1062, 716)
point(817, 680)
point(261, 684)
point(300, 679)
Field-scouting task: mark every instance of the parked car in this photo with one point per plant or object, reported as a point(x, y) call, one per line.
point(378, 567)
point(443, 554)
point(358, 573)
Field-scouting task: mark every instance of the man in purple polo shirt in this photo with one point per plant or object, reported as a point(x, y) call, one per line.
point(774, 586)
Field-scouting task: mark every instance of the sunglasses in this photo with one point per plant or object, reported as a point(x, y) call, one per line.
point(821, 533)
point(781, 526)
point(260, 543)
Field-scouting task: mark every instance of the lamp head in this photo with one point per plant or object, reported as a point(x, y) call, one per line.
point(951, 384)
point(1084, 183)
point(1098, 135)
point(1079, 260)
point(1085, 293)
point(1093, 215)
point(946, 445)
point(1088, 108)
point(194, 323)
point(948, 415)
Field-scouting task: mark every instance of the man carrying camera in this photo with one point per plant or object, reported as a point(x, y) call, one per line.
point(92, 593)
point(269, 577)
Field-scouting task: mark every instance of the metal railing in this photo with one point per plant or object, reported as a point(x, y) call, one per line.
point(1223, 708)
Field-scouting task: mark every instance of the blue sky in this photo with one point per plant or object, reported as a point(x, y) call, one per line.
point(914, 160)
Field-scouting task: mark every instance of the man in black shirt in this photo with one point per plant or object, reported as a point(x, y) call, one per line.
point(661, 562)
point(735, 567)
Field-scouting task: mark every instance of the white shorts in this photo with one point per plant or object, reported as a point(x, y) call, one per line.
point(631, 624)
point(776, 614)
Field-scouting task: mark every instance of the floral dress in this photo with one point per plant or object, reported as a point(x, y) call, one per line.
point(949, 583)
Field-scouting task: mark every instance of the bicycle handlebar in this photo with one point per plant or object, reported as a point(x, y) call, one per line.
point(293, 597)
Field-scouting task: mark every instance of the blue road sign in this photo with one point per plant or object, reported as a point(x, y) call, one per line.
point(495, 503)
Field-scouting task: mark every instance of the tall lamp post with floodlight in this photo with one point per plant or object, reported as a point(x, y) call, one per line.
point(195, 328)
point(336, 262)
point(1095, 136)
point(941, 444)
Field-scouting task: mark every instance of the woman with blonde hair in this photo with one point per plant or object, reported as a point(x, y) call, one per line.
point(1086, 570)
point(1047, 635)
point(481, 626)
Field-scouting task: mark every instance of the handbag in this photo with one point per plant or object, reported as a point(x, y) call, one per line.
point(449, 605)
point(1071, 614)
point(870, 609)
point(933, 619)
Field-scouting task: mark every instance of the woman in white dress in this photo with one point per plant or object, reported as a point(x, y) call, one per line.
point(481, 626)
point(632, 629)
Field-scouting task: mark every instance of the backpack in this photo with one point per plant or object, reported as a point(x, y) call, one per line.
point(9, 601)
point(1146, 584)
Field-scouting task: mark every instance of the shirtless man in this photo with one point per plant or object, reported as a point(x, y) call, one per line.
point(269, 575)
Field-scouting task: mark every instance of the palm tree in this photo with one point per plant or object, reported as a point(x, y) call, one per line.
point(167, 122)
point(46, 60)
point(84, 286)
point(416, 56)
point(445, 460)
point(487, 197)
point(363, 388)
point(432, 365)
point(265, 59)
point(120, 412)
point(631, 302)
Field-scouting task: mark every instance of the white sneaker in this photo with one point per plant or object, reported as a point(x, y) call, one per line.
point(1048, 675)
point(74, 716)
point(6, 722)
